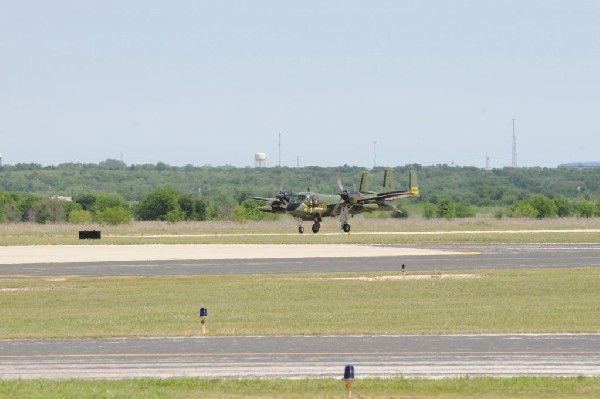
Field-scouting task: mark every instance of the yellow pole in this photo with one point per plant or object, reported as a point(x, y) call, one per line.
point(349, 387)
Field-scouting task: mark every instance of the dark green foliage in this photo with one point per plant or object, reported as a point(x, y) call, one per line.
point(564, 208)
point(86, 201)
point(172, 205)
point(537, 206)
point(160, 204)
point(584, 208)
point(47, 211)
point(545, 207)
point(464, 211)
point(216, 192)
point(429, 210)
point(446, 208)
point(193, 208)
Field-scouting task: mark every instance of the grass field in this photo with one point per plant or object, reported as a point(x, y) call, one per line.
point(494, 301)
point(464, 388)
point(284, 231)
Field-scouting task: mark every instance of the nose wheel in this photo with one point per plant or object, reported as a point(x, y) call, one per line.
point(300, 226)
point(315, 227)
point(344, 211)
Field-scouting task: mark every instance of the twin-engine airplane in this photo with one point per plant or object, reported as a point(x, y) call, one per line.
point(311, 206)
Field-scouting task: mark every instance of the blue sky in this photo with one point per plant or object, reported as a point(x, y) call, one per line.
point(212, 83)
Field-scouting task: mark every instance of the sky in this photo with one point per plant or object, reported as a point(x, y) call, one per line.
point(309, 83)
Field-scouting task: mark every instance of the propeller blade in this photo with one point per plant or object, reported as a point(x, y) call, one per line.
point(339, 183)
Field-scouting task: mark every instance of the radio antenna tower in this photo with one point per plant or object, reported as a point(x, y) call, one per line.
point(280, 149)
point(374, 154)
point(514, 147)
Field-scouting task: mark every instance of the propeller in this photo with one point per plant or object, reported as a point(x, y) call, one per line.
point(283, 196)
point(344, 194)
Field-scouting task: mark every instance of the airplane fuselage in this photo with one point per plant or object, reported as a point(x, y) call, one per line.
point(310, 205)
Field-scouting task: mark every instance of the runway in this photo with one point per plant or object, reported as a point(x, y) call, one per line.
point(308, 357)
point(303, 357)
point(310, 259)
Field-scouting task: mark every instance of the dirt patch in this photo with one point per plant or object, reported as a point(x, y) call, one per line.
point(411, 277)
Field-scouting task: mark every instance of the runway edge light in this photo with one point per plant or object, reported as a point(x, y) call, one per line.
point(203, 316)
point(349, 378)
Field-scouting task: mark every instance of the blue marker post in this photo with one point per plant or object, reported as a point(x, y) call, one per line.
point(349, 378)
point(403, 271)
point(203, 316)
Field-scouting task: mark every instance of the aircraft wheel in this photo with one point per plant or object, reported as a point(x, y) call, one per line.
point(300, 229)
point(316, 227)
point(346, 228)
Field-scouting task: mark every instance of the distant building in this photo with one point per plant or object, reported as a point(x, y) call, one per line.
point(62, 198)
point(580, 165)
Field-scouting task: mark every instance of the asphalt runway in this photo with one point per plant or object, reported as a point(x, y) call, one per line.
point(443, 258)
point(303, 357)
point(306, 357)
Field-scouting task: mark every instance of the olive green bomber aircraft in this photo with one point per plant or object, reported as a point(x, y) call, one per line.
point(311, 206)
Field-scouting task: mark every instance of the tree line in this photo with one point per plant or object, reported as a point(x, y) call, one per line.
point(112, 192)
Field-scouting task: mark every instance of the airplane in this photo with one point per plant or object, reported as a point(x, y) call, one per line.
point(311, 206)
point(277, 204)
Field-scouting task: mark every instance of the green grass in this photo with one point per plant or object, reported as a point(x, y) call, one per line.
point(283, 231)
point(481, 388)
point(500, 301)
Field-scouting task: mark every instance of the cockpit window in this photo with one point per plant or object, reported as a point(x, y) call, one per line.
point(297, 199)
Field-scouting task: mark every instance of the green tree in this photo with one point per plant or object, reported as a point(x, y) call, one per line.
point(80, 217)
point(108, 200)
point(113, 216)
point(86, 201)
point(564, 208)
point(545, 207)
point(194, 208)
point(159, 203)
point(9, 208)
point(464, 211)
point(26, 206)
point(523, 209)
point(446, 208)
point(48, 211)
point(584, 208)
point(248, 210)
point(429, 210)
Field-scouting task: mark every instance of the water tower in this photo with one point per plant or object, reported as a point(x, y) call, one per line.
point(260, 160)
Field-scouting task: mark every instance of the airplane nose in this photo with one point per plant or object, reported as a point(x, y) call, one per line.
point(291, 207)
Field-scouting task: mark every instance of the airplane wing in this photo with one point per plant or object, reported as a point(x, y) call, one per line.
point(262, 198)
point(389, 196)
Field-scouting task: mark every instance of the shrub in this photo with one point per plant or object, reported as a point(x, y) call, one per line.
point(80, 217)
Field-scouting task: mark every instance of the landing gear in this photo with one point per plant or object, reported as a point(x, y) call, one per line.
point(315, 227)
point(344, 219)
point(300, 226)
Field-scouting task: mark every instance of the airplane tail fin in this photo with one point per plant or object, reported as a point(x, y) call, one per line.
point(364, 182)
point(388, 182)
point(413, 183)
